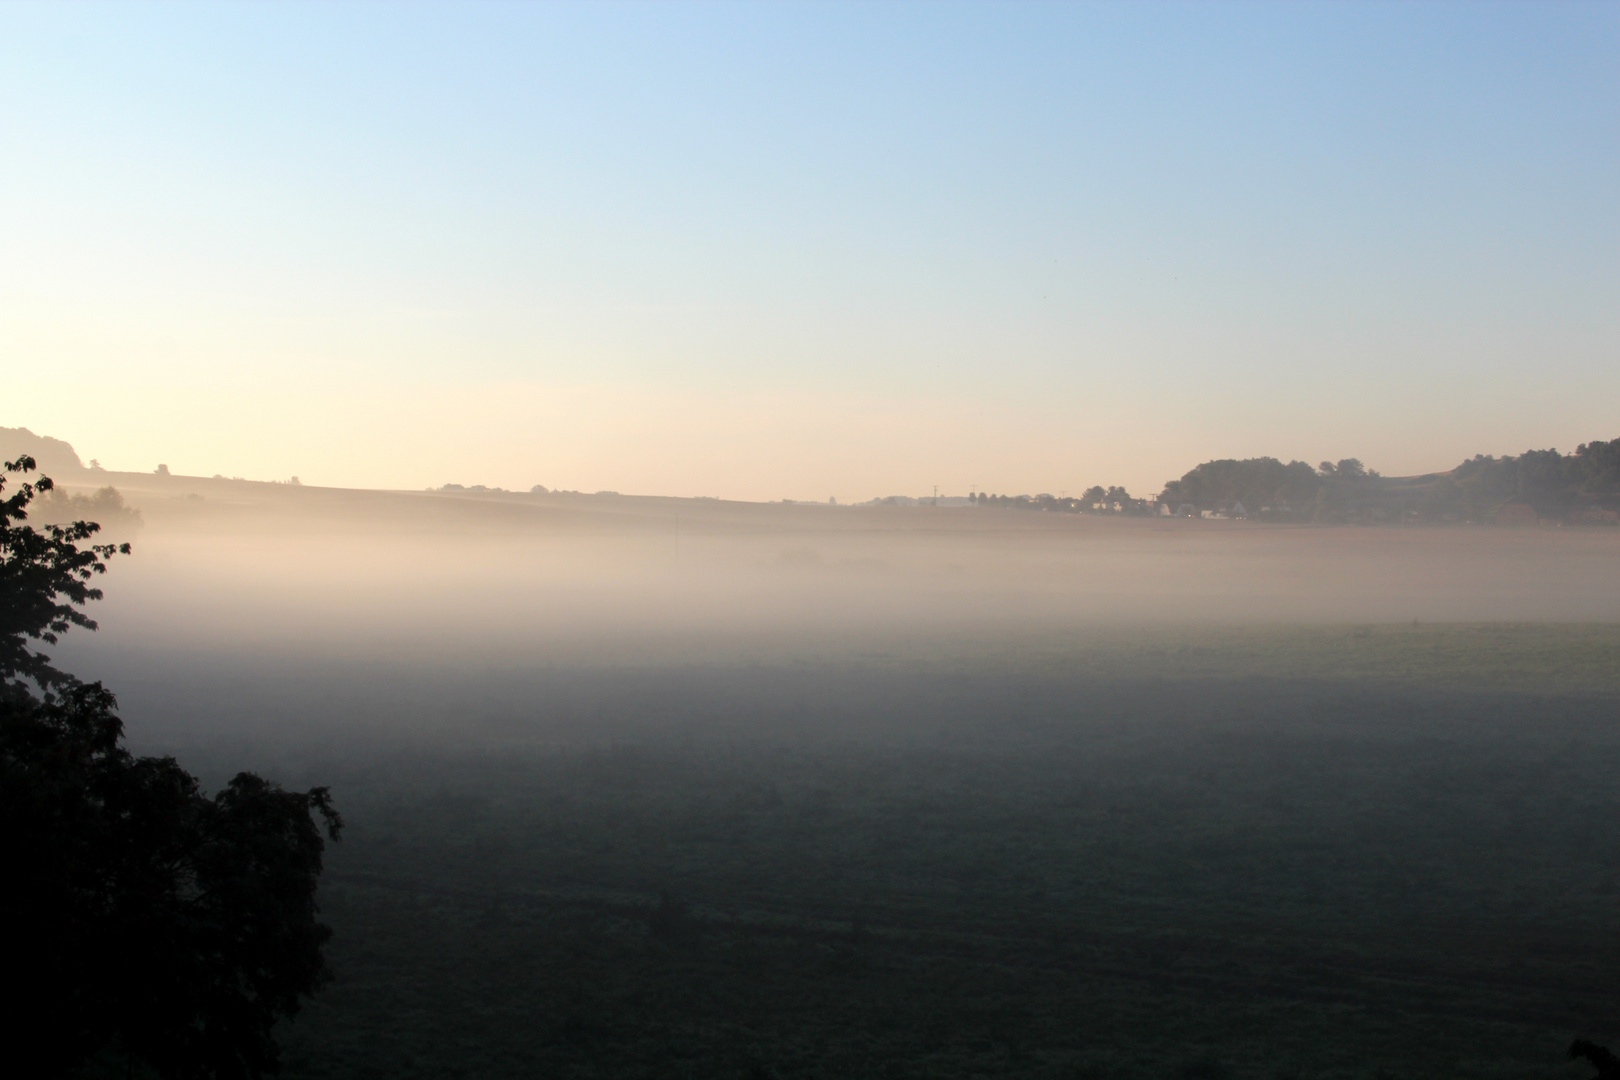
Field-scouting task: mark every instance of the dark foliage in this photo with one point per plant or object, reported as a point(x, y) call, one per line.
point(145, 920)
point(159, 923)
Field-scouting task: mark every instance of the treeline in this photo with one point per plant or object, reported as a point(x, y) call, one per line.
point(1538, 485)
point(1549, 482)
point(1267, 488)
point(1094, 500)
point(1581, 487)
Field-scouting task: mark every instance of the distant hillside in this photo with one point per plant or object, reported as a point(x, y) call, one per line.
point(1582, 487)
point(54, 456)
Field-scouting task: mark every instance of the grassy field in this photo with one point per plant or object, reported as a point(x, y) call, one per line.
point(1273, 852)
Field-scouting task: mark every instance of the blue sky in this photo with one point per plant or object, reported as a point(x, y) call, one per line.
point(778, 250)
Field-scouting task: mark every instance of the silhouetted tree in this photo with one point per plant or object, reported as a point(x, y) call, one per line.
point(44, 579)
point(144, 919)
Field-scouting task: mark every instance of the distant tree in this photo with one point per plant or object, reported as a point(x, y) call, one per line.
point(106, 505)
point(146, 922)
point(1255, 482)
point(1350, 469)
point(1595, 468)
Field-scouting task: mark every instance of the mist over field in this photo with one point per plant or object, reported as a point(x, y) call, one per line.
point(650, 787)
point(1068, 735)
point(646, 787)
point(273, 582)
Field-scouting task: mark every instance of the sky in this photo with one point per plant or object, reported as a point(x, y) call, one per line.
point(767, 251)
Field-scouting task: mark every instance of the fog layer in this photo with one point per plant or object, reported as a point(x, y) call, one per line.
point(443, 601)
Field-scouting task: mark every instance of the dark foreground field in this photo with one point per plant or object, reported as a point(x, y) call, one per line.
point(1366, 867)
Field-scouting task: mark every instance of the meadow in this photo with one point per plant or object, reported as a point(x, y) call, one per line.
point(1240, 852)
point(680, 788)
